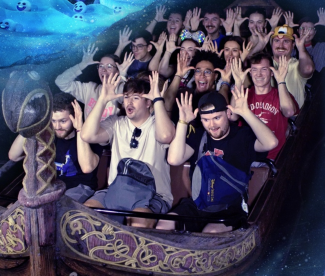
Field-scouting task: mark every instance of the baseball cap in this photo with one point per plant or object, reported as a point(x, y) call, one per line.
point(214, 98)
point(282, 31)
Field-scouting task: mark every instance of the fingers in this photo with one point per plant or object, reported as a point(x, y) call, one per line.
point(165, 86)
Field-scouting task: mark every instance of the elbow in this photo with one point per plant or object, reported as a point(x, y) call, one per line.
point(289, 113)
point(173, 161)
point(273, 143)
point(85, 136)
point(87, 169)
point(167, 137)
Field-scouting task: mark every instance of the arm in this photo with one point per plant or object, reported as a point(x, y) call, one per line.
point(195, 20)
point(306, 65)
point(274, 20)
point(266, 139)
point(237, 73)
point(123, 68)
point(16, 151)
point(179, 151)
point(230, 20)
point(226, 77)
point(91, 131)
point(186, 22)
point(287, 105)
point(124, 40)
point(165, 129)
point(87, 159)
point(154, 63)
point(164, 68)
point(288, 16)
point(238, 21)
point(160, 11)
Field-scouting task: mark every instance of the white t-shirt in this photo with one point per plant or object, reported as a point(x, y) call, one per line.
point(149, 151)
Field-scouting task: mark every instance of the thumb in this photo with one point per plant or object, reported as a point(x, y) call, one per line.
point(196, 111)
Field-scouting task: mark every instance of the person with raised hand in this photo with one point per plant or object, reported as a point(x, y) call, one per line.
point(89, 92)
point(236, 146)
point(160, 12)
point(150, 136)
point(124, 40)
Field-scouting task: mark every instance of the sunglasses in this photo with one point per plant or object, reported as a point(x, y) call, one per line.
point(136, 133)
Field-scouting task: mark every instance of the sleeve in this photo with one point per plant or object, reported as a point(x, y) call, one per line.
point(295, 103)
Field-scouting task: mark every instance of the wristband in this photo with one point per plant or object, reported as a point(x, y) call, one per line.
point(183, 122)
point(283, 82)
point(226, 83)
point(228, 33)
point(178, 76)
point(158, 99)
point(77, 130)
point(155, 20)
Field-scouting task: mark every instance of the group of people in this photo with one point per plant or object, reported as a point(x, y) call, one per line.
point(205, 91)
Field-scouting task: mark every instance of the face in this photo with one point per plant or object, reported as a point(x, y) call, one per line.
point(174, 23)
point(204, 76)
point(282, 47)
point(136, 106)
point(141, 49)
point(304, 28)
point(231, 50)
point(216, 124)
point(188, 47)
point(106, 67)
point(62, 124)
point(257, 22)
point(211, 23)
point(261, 73)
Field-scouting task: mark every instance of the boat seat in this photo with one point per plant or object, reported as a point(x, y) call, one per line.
point(180, 182)
point(256, 183)
point(103, 169)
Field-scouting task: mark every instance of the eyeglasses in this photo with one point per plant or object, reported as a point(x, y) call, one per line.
point(137, 47)
point(136, 133)
point(106, 66)
point(206, 72)
point(306, 29)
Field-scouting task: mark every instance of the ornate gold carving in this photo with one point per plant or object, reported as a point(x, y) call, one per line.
point(12, 233)
point(98, 240)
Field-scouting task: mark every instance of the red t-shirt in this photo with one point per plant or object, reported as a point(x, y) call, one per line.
point(267, 108)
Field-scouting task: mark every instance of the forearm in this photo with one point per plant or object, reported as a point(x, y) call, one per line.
point(171, 93)
point(154, 63)
point(164, 68)
point(224, 91)
point(66, 83)
point(119, 50)
point(306, 65)
point(165, 129)
point(236, 30)
point(287, 105)
point(16, 151)
point(151, 26)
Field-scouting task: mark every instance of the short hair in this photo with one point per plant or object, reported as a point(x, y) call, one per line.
point(211, 9)
point(136, 86)
point(255, 10)
point(208, 56)
point(197, 44)
point(257, 58)
point(62, 101)
point(237, 39)
point(113, 57)
point(180, 12)
point(142, 34)
point(306, 19)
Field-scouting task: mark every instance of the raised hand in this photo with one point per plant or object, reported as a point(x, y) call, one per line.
point(124, 39)
point(226, 72)
point(238, 18)
point(321, 17)
point(160, 12)
point(300, 41)
point(159, 45)
point(240, 101)
point(77, 118)
point(205, 45)
point(246, 50)
point(230, 20)
point(213, 47)
point(108, 89)
point(282, 71)
point(154, 87)
point(195, 20)
point(288, 16)
point(123, 68)
point(171, 44)
point(263, 39)
point(187, 19)
point(237, 73)
point(274, 20)
point(182, 67)
point(88, 56)
point(185, 108)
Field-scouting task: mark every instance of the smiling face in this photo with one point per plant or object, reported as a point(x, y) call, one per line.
point(231, 50)
point(256, 21)
point(105, 69)
point(211, 23)
point(282, 47)
point(141, 49)
point(62, 124)
point(261, 74)
point(304, 28)
point(204, 76)
point(188, 47)
point(216, 124)
point(137, 108)
point(79, 7)
point(174, 23)
point(24, 6)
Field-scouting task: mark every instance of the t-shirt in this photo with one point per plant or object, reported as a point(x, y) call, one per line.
point(218, 40)
point(149, 151)
point(237, 148)
point(317, 53)
point(67, 165)
point(136, 67)
point(267, 108)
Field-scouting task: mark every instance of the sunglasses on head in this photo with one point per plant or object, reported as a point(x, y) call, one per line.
point(136, 133)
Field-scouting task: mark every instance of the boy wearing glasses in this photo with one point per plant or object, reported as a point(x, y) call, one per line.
point(88, 92)
point(137, 135)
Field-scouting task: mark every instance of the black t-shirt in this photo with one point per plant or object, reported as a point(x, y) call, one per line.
point(67, 165)
point(237, 148)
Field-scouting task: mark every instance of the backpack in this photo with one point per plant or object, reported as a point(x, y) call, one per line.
point(216, 184)
point(134, 183)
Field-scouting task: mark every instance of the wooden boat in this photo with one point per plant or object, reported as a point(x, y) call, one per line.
point(47, 233)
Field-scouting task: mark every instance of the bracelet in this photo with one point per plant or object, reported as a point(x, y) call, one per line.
point(226, 83)
point(283, 82)
point(155, 20)
point(178, 76)
point(78, 130)
point(228, 33)
point(158, 99)
point(183, 122)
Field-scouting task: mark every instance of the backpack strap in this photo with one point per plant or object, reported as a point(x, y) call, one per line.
point(202, 146)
